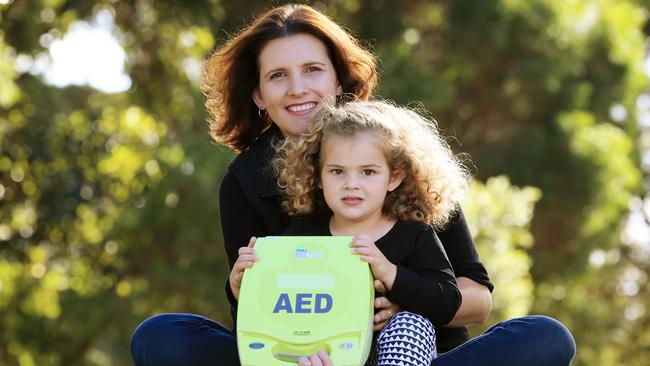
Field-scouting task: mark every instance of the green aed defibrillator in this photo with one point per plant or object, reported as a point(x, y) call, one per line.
point(305, 294)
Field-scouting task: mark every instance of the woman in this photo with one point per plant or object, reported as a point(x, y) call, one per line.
point(263, 85)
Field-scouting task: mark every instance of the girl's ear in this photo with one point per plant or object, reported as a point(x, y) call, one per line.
point(396, 178)
point(320, 184)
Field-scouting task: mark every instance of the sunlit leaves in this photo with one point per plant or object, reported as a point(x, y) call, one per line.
point(618, 23)
point(23, 219)
point(499, 216)
point(9, 91)
point(610, 150)
point(9, 274)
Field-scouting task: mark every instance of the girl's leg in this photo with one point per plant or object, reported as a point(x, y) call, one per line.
point(408, 339)
point(527, 341)
point(183, 339)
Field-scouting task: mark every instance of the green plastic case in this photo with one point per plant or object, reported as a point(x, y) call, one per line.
point(303, 295)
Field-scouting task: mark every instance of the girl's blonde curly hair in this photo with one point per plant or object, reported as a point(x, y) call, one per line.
point(434, 179)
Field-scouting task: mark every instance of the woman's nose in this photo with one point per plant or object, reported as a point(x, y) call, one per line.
point(297, 86)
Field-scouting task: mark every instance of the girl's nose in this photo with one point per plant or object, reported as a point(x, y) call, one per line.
point(351, 183)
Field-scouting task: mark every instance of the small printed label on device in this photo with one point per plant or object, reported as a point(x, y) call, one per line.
point(304, 253)
point(302, 332)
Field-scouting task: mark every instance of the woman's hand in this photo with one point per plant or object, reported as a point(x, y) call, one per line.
point(319, 359)
point(381, 268)
point(245, 260)
point(389, 309)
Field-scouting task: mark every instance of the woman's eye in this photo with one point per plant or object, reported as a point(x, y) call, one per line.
point(368, 172)
point(313, 68)
point(276, 75)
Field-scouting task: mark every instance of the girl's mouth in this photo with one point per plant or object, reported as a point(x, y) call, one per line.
point(352, 200)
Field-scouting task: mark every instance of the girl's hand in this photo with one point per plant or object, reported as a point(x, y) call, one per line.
point(389, 309)
point(245, 260)
point(319, 359)
point(381, 268)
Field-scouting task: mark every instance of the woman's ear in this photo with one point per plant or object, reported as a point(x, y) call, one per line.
point(339, 89)
point(396, 178)
point(257, 98)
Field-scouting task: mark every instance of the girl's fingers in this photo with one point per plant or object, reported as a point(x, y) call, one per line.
point(361, 241)
point(361, 251)
point(368, 258)
point(327, 361)
point(242, 264)
point(246, 250)
point(315, 360)
point(251, 242)
point(238, 269)
point(359, 244)
point(248, 258)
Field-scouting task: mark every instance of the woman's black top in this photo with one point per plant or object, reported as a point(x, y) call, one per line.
point(250, 206)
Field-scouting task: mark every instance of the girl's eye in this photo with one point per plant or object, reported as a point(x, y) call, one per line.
point(368, 172)
point(336, 171)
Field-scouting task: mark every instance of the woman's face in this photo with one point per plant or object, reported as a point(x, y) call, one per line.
point(296, 74)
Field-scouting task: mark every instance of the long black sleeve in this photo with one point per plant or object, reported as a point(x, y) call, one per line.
point(425, 282)
point(461, 251)
point(238, 222)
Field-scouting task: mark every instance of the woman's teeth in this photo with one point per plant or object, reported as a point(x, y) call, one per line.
point(303, 107)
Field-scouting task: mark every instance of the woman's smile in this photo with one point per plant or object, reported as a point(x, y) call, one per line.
point(302, 108)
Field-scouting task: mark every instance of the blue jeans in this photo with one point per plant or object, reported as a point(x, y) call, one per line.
point(528, 341)
point(188, 339)
point(183, 339)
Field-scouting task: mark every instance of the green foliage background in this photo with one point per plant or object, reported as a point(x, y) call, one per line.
point(108, 202)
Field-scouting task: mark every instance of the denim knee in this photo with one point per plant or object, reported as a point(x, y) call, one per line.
point(148, 341)
point(557, 337)
point(183, 339)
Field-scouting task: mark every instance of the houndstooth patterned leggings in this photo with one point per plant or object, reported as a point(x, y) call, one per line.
point(407, 340)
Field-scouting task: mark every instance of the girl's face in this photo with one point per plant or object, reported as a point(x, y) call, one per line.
point(355, 176)
point(296, 74)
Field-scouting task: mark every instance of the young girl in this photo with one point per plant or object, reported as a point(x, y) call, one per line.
point(383, 175)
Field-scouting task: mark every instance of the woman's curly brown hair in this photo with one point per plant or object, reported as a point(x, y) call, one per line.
point(434, 178)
